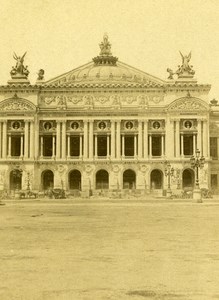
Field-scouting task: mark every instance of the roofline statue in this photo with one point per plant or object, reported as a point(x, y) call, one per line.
point(19, 71)
point(185, 70)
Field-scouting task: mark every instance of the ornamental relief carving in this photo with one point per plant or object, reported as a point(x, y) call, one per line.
point(187, 104)
point(15, 105)
point(97, 100)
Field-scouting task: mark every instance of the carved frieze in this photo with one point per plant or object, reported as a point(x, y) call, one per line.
point(141, 100)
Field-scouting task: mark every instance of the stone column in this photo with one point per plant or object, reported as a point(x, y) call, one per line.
point(140, 139)
point(85, 139)
point(135, 145)
point(177, 139)
point(169, 138)
point(53, 145)
point(107, 146)
point(0, 139)
point(80, 146)
point(37, 139)
point(9, 145)
point(63, 139)
point(58, 139)
point(199, 136)
point(205, 139)
point(217, 148)
point(162, 145)
point(145, 139)
point(31, 139)
point(118, 139)
point(4, 140)
point(150, 145)
point(182, 145)
point(26, 138)
point(194, 144)
point(22, 146)
point(123, 145)
point(113, 139)
point(95, 146)
point(41, 146)
point(69, 145)
point(91, 141)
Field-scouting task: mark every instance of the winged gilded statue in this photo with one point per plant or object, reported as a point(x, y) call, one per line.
point(185, 61)
point(20, 63)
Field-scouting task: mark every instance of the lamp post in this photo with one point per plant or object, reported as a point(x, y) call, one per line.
point(197, 163)
point(169, 171)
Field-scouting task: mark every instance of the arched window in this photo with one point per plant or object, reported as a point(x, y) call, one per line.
point(129, 179)
point(102, 179)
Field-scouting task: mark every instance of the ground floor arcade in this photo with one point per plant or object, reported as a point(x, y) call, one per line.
point(138, 178)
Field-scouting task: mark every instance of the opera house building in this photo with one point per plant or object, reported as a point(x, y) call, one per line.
point(105, 127)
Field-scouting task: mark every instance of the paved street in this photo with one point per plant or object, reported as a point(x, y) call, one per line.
point(107, 250)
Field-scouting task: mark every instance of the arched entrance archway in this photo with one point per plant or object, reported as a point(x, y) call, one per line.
point(156, 179)
point(129, 179)
point(47, 179)
point(16, 179)
point(74, 180)
point(188, 178)
point(102, 180)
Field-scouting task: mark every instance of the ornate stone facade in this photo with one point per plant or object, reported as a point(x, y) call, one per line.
point(105, 127)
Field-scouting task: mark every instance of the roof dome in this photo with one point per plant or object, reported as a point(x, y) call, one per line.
point(105, 68)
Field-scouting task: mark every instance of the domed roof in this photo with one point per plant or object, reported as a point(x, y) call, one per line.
point(105, 68)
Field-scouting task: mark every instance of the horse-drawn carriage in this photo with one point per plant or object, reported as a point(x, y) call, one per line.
point(55, 193)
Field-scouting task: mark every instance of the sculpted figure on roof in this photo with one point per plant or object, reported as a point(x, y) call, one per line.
point(184, 70)
point(105, 46)
point(19, 68)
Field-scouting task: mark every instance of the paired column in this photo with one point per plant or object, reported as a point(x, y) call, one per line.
point(118, 145)
point(41, 146)
point(182, 145)
point(145, 139)
point(113, 146)
point(32, 139)
point(22, 146)
point(108, 145)
point(4, 140)
point(95, 146)
point(205, 139)
point(150, 145)
point(58, 140)
point(135, 145)
point(9, 145)
point(194, 144)
point(63, 139)
point(162, 145)
point(53, 145)
point(68, 147)
point(91, 143)
point(123, 145)
point(37, 139)
point(199, 136)
point(140, 127)
point(26, 139)
point(177, 138)
point(80, 145)
point(0, 139)
point(85, 139)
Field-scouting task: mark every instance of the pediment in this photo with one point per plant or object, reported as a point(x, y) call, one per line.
point(120, 73)
point(17, 104)
point(188, 104)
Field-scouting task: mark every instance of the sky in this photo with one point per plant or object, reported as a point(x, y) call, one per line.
point(60, 35)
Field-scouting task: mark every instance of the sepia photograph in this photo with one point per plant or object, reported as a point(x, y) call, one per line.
point(109, 150)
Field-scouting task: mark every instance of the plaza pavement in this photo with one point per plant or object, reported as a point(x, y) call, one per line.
point(110, 249)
